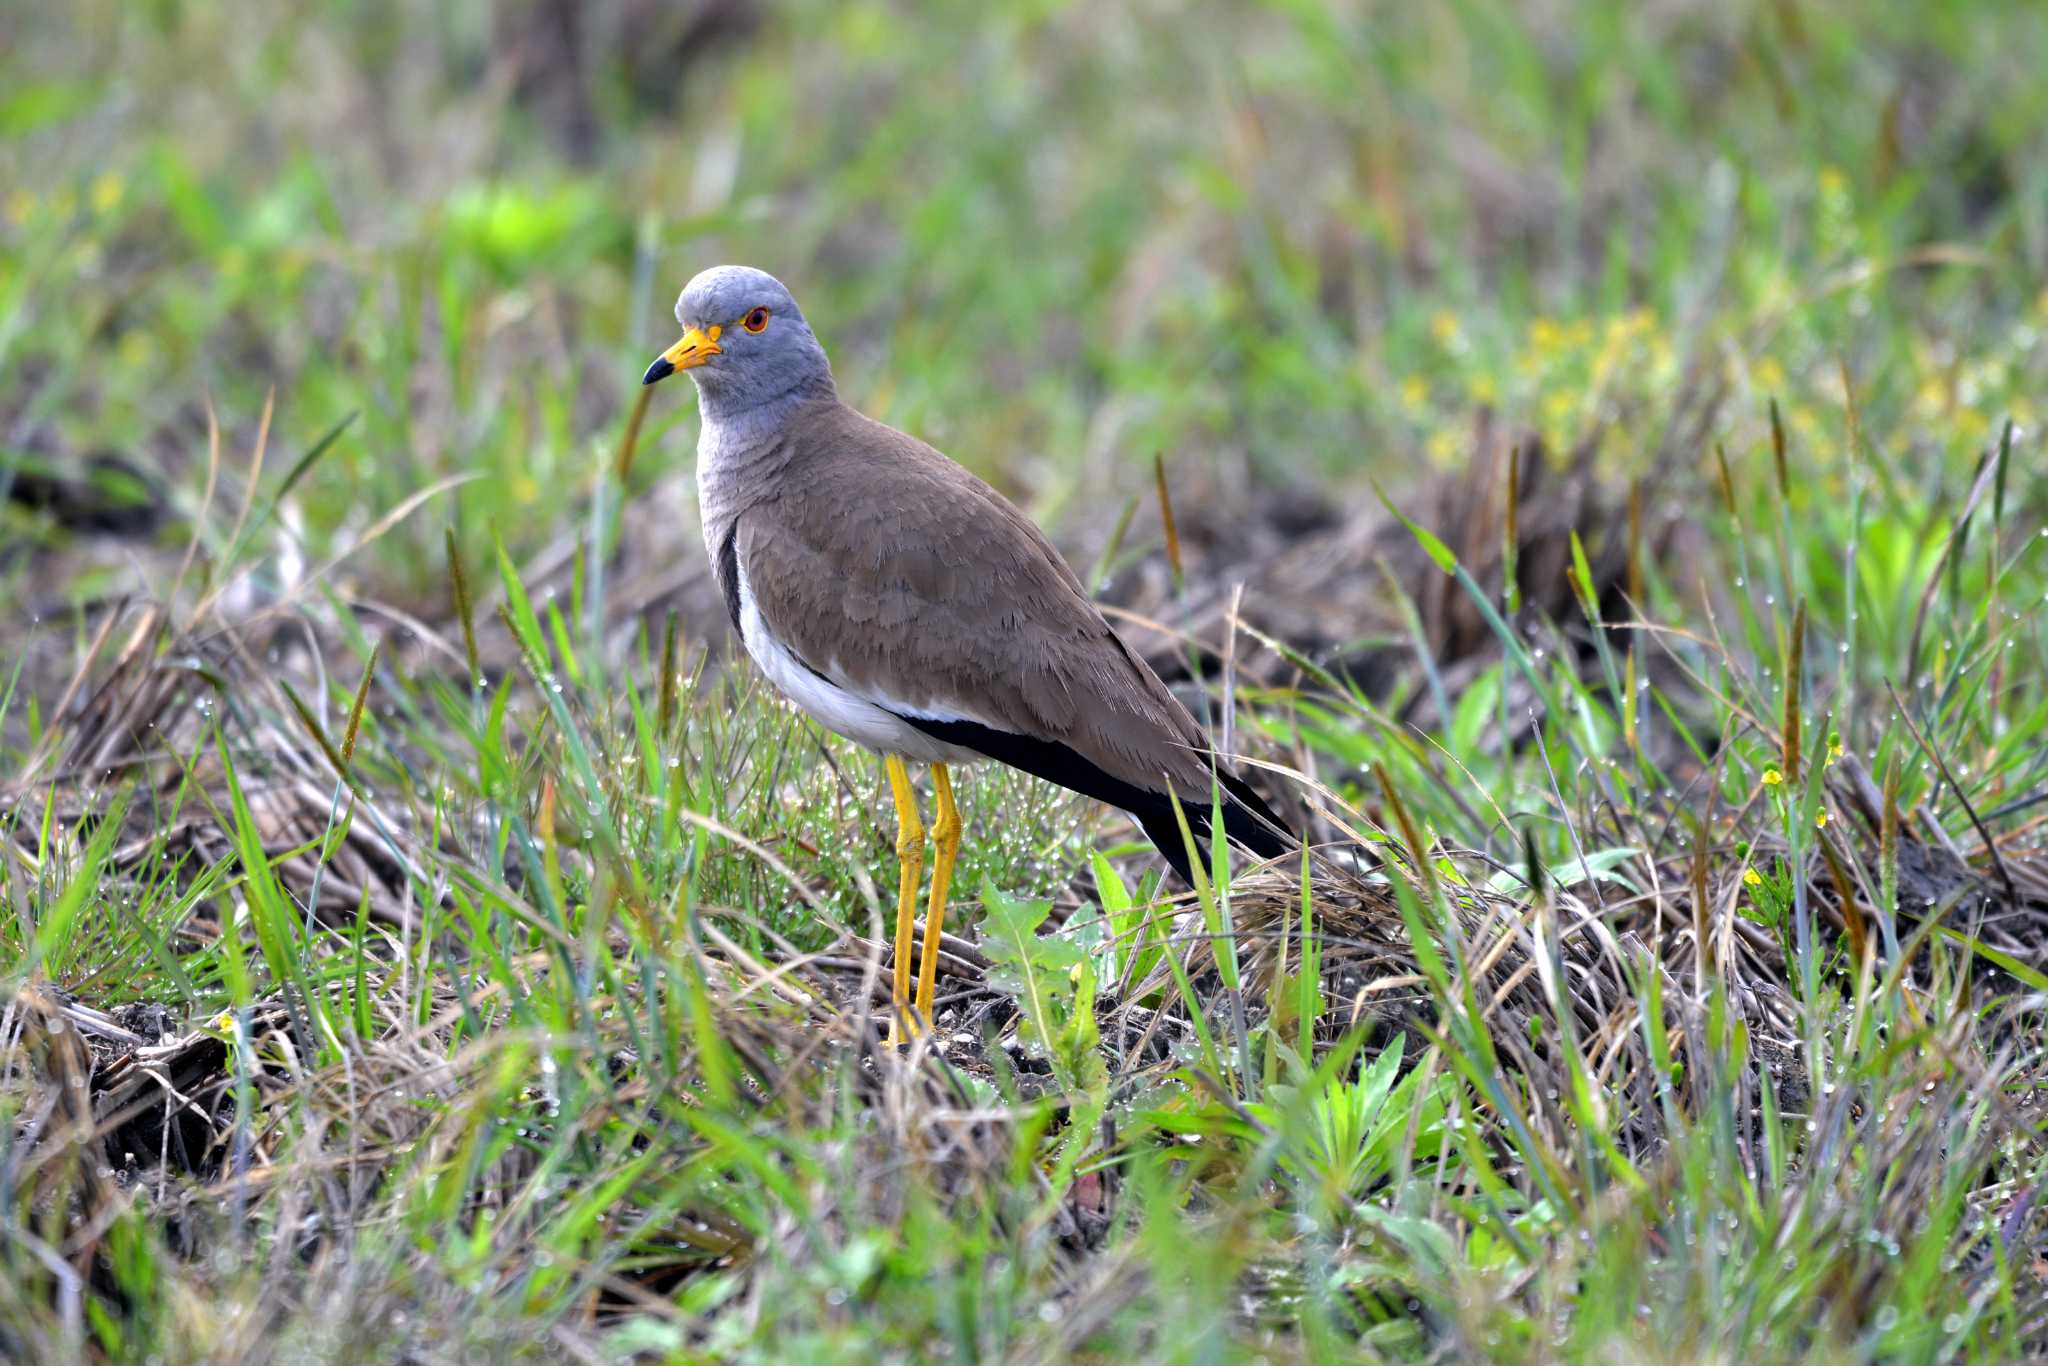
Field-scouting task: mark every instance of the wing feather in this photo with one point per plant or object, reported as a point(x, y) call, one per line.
point(899, 576)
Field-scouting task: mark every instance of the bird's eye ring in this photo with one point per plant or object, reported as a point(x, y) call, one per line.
point(755, 320)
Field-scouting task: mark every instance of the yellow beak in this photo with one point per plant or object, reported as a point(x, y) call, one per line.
point(697, 346)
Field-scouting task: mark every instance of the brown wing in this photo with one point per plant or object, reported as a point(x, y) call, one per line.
point(895, 573)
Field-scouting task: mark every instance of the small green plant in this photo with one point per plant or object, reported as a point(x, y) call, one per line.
point(1052, 978)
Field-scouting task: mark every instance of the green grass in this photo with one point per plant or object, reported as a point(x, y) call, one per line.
point(415, 941)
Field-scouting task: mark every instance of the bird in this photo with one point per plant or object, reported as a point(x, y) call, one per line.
point(908, 606)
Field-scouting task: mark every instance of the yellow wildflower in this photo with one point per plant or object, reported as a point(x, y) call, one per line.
point(1931, 397)
point(1820, 820)
point(1772, 777)
point(1559, 407)
point(1444, 327)
point(1752, 877)
point(135, 353)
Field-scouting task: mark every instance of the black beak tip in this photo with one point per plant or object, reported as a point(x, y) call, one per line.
point(660, 370)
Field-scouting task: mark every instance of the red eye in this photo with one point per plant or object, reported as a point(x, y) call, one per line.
point(756, 320)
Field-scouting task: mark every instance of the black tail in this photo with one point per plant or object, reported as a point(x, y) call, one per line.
point(1246, 817)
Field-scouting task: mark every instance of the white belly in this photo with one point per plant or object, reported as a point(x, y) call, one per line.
point(860, 719)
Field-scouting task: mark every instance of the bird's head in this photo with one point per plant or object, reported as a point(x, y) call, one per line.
point(744, 340)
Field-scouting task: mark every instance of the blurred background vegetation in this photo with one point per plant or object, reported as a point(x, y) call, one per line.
point(1302, 241)
point(493, 1033)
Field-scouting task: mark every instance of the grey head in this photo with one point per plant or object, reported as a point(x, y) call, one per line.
point(745, 343)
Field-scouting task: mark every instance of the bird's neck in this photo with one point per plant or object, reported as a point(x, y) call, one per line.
point(741, 451)
point(740, 424)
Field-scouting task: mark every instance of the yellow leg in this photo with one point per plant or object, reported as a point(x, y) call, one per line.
point(945, 844)
point(909, 869)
